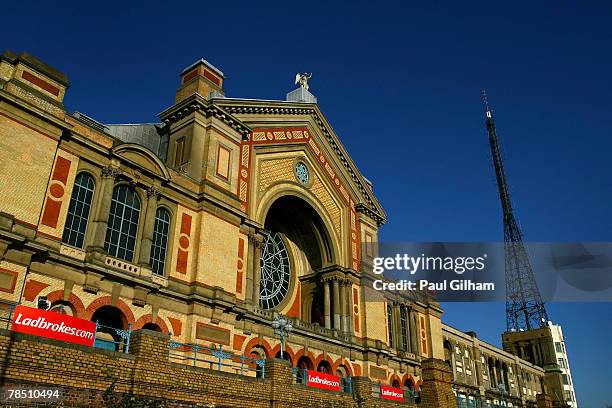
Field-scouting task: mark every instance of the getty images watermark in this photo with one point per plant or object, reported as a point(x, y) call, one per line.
point(471, 272)
point(414, 264)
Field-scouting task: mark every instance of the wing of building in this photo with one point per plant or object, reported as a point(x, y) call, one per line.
point(208, 224)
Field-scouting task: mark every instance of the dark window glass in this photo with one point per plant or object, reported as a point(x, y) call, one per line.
point(78, 210)
point(275, 272)
point(160, 241)
point(122, 223)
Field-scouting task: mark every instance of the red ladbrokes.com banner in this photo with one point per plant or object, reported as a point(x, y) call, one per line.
point(391, 393)
point(53, 325)
point(322, 380)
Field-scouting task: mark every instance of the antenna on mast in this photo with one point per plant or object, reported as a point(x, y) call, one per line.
point(524, 307)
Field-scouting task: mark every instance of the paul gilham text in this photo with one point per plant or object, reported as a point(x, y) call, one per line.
point(452, 285)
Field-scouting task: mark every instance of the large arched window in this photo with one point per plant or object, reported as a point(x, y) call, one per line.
point(275, 272)
point(160, 241)
point(78, 211)
point(122, 223)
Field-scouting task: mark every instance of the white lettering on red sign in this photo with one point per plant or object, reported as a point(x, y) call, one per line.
point(324, 381)
point(391, 393)
point(53, 325)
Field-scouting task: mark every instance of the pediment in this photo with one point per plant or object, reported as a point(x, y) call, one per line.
point(143, 158)
point(279, 120)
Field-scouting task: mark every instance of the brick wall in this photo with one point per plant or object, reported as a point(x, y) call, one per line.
point(92, 377)
point(436, 391)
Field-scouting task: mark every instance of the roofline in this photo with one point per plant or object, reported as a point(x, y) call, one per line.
point(208, 64)
point(197, 102)
point(133, 124)
point(501, 351)
point(36, 64)
point(362, 183)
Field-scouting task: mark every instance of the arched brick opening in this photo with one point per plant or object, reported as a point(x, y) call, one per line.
point(395, 381)
point(107, 301)
point(304, 363)
point(75, 303)
point(288, 354)
point(259, 344)
point(146, 322)
point(345, 364)
point(325, 366)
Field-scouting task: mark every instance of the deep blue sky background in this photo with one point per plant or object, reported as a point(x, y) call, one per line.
point(401, 84)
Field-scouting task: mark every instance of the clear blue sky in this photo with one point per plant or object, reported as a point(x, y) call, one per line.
point(401, 84)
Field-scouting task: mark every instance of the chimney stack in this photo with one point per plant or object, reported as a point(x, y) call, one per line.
point(202, 78)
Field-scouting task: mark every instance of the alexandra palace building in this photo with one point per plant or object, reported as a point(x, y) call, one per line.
point(208, 224)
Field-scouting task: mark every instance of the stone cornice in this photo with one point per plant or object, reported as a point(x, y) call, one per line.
point(33, 110)
point(196, 103)
point(361, 208)
point(245, 106)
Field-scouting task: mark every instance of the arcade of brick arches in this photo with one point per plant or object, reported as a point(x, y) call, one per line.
point(202, 229)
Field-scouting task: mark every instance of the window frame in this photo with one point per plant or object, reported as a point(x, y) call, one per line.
point(109, 229)
point(390, 325)
point(167, 244)
point(69, 229)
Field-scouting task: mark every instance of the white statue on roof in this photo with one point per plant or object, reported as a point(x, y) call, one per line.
point(302, 79)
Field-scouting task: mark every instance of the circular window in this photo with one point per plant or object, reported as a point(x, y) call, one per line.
point(301, 172)
point(275, 272)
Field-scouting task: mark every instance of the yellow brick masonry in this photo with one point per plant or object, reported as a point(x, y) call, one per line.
point(86, 373)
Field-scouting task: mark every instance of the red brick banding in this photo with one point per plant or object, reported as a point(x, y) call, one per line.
point(147, 319)
point(73, 301)
point(32, 288)
point(52, 89)
point(127, 317)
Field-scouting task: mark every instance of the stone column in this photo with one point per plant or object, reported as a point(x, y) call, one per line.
point(336, 304)
point(477, 366)
point(414, 338)
point(453, 361)
point(398, 326)
point(250, 254)
point(104, 197)
point(343, 307)
point(350, 322)
point(495, 375)
point(436, 390)
point(148, 227)
point(409, 329)
point(326, 301)
point(255, 262)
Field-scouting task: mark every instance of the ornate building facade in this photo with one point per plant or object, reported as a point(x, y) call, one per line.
point(210, 223)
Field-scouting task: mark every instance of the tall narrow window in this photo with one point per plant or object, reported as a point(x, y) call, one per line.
point(390, 324)
point(78, 211)
point(122, 223)
point(179, 158)
point(160, 241)
point(404, 324)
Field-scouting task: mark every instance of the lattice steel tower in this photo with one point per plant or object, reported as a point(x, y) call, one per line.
point(524, 307)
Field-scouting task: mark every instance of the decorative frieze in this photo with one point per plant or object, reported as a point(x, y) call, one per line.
point(122, 265)
point(72, 252)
